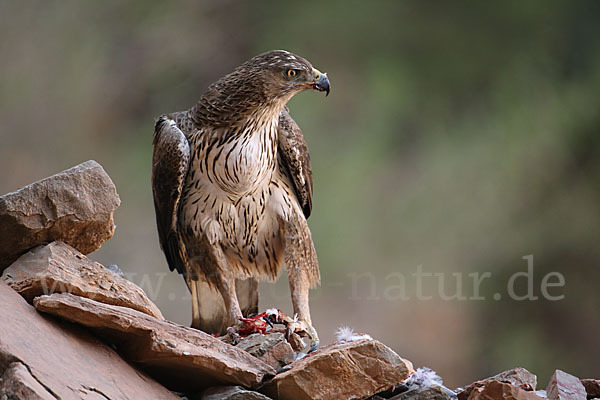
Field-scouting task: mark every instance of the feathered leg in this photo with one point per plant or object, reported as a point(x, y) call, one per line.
point(303, 269)
point(247, 294)
point(226, 285)
point(299, 290)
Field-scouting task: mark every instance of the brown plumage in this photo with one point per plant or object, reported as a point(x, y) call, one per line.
point(232, 185)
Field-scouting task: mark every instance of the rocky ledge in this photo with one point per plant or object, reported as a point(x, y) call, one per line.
point(71, 328)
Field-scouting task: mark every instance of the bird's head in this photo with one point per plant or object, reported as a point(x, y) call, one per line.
point(274, 75)
point(269, 79)
point(283, 73)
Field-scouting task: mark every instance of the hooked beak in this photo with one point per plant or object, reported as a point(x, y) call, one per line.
point(321, 82)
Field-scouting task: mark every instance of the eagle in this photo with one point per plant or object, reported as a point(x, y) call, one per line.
point(232, 186)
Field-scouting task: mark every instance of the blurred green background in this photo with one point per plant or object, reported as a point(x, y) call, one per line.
point(458, 136)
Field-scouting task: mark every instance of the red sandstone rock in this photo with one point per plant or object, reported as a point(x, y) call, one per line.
point(348, 370)
point(75, 206)
point(592, 387)
point(279, 355)
point(563, 386)
point(65, 359)
point(18, 384)
point(518, 377)
point(496, 390)
point(181, 358)
point(430, 393)
point(272, 348)
point(58, 267)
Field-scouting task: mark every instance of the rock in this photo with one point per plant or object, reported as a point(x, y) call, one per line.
point(183, 359)
point(258, 344)
point(272, 348)
point(345, 370)
point(423, 384)
point(297, 343)
point(518, 377)
point(496, 390)
point(563, 386)
point(278, 356)
point(18, 384)
point(592, 387)
point(391, 392)
point(75, 206)
point(66, 360)
point(428, 393)
point(58, 267)
point(231, 393)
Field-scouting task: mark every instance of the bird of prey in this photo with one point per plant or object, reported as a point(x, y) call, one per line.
point(232, 186)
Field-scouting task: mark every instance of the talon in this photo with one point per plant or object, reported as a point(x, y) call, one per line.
point(232, 331)
point(268, 321)
point(283, 369)
point(300, 356)
point(288, 332)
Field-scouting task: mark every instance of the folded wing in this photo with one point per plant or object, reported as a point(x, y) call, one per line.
point(294, 155)
point(170, 163)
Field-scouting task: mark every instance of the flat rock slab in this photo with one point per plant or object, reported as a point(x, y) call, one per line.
point(563, 386)
point(58, 267)
point(18, 384)
point(354, 370)
point(519, 377)
point(496, 390)
point(66, 360)
point(75, 206)
point(182, 358)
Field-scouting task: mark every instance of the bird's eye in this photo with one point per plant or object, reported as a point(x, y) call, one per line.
point(291, 73)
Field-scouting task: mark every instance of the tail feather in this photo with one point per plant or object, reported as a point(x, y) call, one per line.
point(209, 313)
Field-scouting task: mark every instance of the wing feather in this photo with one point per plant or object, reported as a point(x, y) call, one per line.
point(294, 154)
point(170, 163)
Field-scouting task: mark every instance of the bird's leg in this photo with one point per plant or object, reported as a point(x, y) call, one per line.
point(302, 267)
point(300, 300)
point(227, 289)
point(299, 288)
point(226, 285)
